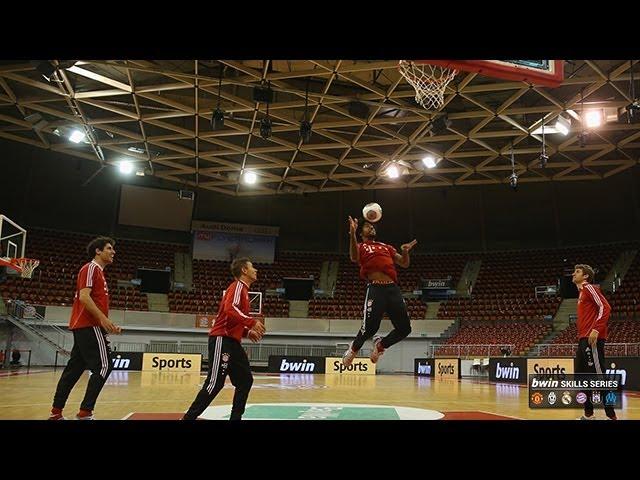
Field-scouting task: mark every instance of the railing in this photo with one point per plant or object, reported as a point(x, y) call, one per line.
point(569, 350)
point(130, 347)
point(551, 290)
point(258, 352)
point(471, 350)
point(28, 319)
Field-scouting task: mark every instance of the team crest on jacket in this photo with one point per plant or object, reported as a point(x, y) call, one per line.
point(225, 357)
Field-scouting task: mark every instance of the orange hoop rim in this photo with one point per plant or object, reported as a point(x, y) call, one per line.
point(24, 266)
point(19, 260)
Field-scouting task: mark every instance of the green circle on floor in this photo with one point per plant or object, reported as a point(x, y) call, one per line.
point(322, 411)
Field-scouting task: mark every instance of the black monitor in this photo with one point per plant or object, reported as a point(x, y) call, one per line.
point(298, 288)
point(154, 281)
point(568, 289)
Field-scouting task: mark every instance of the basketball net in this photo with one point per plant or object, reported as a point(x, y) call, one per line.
point(27, 266)
point(429, 81)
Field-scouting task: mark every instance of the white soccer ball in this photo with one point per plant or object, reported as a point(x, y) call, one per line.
point(372, 212)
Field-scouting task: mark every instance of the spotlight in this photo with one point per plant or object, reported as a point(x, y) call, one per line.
point(249, 177)
point(126, 167)
point(429, 161)
point(632, 112)
point(593, 118)
point(543, 159)
point(263, 94)
point(217, 119)
point(439, 125)
point(76, 136)
point(513, 180)
point(265, 128)
point(393, 172)
point(305, 131)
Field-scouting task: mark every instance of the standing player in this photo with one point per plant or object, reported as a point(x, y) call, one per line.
point(377, 267)
point(226, 355)
point(593, 316)
point(90, 324)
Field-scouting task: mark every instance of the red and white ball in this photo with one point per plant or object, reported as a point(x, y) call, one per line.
point(372, 212)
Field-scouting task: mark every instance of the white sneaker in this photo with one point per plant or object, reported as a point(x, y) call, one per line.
point(584, 417)
point(349, 355)
point(378, 349)
point(88, 417)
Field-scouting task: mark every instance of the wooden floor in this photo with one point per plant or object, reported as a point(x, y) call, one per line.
point(151, 395)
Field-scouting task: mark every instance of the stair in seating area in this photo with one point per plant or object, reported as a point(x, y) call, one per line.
point(158, 302)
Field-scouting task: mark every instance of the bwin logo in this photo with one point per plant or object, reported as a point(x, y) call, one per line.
point(510, 372)
point(424, 369)
point(620, 371)
point(303, 366)
point(121, 363)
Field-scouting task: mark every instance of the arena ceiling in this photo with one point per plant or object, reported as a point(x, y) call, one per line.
point(363, 115)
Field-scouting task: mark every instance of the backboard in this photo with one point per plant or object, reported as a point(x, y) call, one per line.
point(255, 302)
point(548, 73)
point(13, 238)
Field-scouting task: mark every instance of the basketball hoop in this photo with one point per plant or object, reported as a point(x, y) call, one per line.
point(25, 266)
point(430, 82)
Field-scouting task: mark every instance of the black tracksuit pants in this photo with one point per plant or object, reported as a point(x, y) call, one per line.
point(90, 352)
point(381, 299)
point(588, 361)
point(226, 357)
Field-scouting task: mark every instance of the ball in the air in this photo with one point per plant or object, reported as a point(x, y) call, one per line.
point(372, 212)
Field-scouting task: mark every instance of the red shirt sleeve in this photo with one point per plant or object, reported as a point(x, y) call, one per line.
point(87, 276)
point(83, 278)
point(392, 251)
point(604, 309)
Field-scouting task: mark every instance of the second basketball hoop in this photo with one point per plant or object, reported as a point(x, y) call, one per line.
point(429, 81)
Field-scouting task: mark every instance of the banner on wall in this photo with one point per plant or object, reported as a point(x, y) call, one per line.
point(205, 321)
point(127, 360)
point(170, 362)
point(360, 366)
point(226, 241)
point(293, 364)
point(628, 368)
point(508, 370)
point(446, 368)
point(436, 288)
point(551, 366)
point(424, 367)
